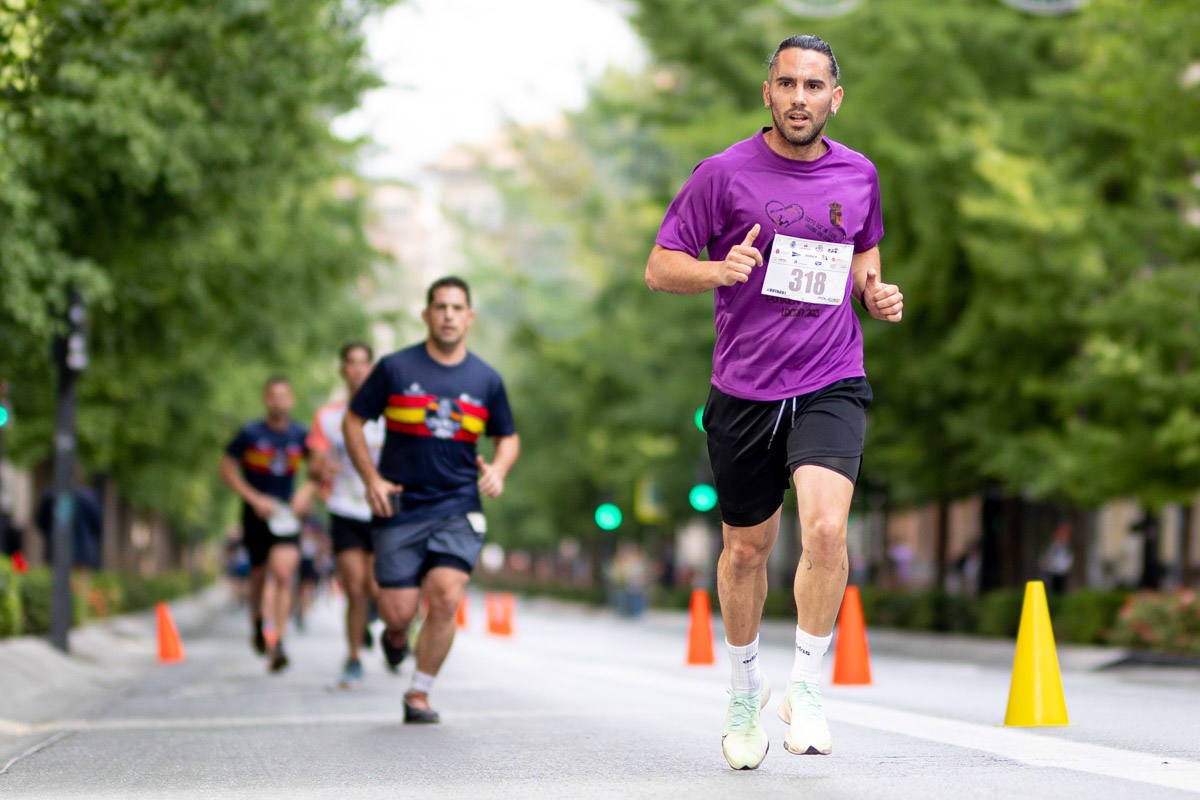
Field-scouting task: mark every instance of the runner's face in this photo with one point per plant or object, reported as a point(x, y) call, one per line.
point(801, 94)
point(356, 366)
point(278, 400)
point(448, 316)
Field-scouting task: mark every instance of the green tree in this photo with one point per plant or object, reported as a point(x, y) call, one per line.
point(175, 163)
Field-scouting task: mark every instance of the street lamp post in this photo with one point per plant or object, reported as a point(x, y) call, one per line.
point(70, 356)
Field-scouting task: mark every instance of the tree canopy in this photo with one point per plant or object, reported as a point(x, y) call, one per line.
point(173, 162)
point(1040, 202)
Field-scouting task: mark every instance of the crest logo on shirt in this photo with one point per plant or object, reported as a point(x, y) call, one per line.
point(835, 214)
point(443, 417)
point(279, 462)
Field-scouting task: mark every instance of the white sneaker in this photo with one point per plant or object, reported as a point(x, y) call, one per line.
point(808, 732)
point(743, 741)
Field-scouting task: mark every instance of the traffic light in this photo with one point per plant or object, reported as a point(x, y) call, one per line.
point(608, 517)
point(70, 348)
point(702, 497)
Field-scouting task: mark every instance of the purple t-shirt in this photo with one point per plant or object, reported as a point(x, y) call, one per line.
point(771, 348)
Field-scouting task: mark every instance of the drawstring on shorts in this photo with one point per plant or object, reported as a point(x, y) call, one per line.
point(779, 418)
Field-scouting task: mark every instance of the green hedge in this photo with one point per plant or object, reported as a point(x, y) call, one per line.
point(1163, 621)
point(1083, 617)
point(25, 597)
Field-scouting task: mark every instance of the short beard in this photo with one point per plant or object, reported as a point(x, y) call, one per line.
point(803, 141)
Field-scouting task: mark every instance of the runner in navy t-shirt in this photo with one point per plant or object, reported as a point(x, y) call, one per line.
point(790, 222)
point(436, 399)
point(260, 464)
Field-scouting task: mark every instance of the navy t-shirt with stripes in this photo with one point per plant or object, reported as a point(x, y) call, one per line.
point(434, 415)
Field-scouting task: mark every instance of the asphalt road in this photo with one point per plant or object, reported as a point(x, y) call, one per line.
point(580, 704)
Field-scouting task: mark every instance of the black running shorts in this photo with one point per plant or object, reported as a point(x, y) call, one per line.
point(258, 539)
point(349, 534)
point(756, 446)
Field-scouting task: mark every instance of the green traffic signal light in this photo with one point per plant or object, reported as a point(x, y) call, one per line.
point(608, 517)
point(702, 497)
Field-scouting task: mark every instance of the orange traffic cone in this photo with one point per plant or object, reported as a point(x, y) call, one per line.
point(460, 619)
point(170, 649)
point(499, 613)
point(851, 656)
point(700, 632)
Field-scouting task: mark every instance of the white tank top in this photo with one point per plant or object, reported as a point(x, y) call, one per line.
point(347, 494)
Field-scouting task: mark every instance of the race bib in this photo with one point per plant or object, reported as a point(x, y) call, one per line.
point(284, 521)
point(807, 270)
point(477, 521)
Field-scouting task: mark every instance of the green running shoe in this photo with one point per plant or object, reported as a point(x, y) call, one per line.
point(744, 742)
point(808, 732)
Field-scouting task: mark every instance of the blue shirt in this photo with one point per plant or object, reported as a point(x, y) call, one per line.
point(434, 415)
point(269, 458)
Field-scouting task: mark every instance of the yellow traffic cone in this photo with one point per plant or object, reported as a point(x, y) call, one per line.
point(1035, 696)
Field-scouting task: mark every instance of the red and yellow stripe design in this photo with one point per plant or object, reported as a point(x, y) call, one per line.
point(425, 415)
point(258, 458)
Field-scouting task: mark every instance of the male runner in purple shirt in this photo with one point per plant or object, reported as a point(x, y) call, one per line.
point(791, 224)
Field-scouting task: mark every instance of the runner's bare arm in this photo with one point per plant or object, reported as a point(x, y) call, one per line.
point(882, 301)
point(231, 475)
point(491, 476)
point(379, 491)
point(677, 272)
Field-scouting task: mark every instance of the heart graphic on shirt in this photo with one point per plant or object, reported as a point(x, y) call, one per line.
point(783, 215)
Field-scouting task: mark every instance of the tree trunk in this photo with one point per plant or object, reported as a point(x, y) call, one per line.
point(941, 544)
point(1186, 571)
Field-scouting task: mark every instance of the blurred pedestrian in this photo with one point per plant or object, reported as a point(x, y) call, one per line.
point(791, 223)
point(345, 497)
point(307, 576)
point(1058, 559)
point(237, 567)
point(436, 399)
point(86, 527)
point(260, 464)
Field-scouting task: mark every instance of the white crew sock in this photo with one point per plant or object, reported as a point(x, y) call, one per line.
point(743, 661)
point(422, 682)
point(810, 651)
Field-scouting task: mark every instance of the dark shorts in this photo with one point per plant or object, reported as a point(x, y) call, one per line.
point(258, 539)
point(349, 534)
point(404, 553)
point(308, 570)
point(755, 446)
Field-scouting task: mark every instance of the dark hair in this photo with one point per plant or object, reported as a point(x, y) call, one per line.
point(807, 42)
point(274, 379)
point(451, 281)
point(349, 347)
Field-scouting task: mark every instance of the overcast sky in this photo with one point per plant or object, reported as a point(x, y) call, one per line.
point(456, 69)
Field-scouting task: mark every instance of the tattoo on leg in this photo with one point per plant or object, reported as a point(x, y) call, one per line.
point(808, 564)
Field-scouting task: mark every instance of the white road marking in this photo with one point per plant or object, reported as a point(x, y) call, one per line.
point(1037, 750)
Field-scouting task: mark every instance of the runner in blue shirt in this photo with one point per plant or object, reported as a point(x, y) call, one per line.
point(260, 464)
point(436, 399)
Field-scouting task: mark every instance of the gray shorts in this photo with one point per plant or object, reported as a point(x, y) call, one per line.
point(404, 553)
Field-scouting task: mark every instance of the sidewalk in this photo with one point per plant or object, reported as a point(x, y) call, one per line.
point(41, 684)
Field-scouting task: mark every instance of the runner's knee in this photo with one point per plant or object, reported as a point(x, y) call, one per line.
point(825, 540)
